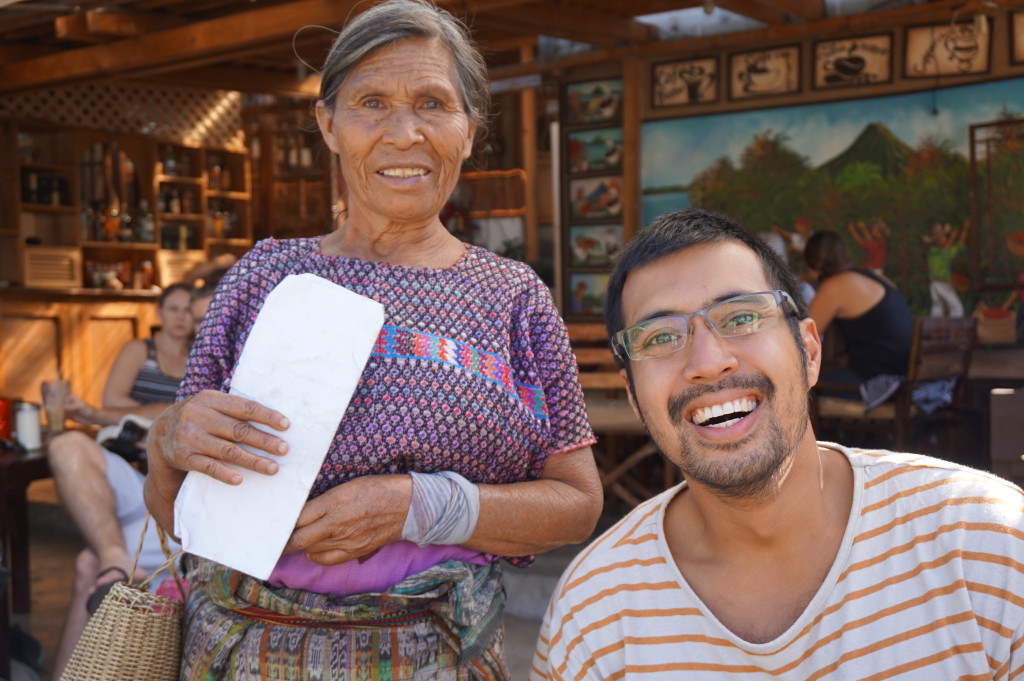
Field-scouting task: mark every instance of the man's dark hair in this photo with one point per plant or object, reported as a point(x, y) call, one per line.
point(676, 231)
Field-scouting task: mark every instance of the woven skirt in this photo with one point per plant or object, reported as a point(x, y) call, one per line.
point(444, 623)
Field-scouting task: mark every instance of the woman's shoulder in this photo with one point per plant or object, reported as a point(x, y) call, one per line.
point(135, 351)
point(499, 268)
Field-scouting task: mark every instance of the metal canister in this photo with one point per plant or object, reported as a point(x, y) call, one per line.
point(6, 416)
point(27, 428)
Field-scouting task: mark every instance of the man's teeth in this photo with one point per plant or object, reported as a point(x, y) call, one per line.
point(403, 172)
point(722, 415)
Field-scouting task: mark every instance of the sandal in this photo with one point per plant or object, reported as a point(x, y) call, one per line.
point(97, 596)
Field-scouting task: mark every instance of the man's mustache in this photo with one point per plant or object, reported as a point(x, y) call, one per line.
point(758, 383)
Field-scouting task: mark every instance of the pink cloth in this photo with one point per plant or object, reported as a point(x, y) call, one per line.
point(388, 566)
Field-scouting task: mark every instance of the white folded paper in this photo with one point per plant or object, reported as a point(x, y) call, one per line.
point(304, 356)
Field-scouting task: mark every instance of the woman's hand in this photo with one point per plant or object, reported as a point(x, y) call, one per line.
point(353, 519)
point(78, 410)
point(204, 432)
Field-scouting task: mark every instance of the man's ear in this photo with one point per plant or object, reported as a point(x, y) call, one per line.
point(629, 392)
point(812, 348)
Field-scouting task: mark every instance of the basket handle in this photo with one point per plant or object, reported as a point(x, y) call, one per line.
point(168, 564)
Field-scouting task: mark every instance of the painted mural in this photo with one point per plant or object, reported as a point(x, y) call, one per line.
point(891, 174)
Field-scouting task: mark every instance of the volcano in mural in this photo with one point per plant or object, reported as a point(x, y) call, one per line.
point(877, 145)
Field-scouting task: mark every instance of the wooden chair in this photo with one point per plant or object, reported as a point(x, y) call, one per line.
point(940, 349)
point(624, 453)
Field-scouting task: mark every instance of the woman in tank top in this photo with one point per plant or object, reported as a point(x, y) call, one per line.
point(145, 375)
point(867, 308)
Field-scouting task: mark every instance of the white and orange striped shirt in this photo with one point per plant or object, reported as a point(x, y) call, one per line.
point(927, 584)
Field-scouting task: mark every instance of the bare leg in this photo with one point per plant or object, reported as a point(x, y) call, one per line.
point(87, 566)
point(80, 472)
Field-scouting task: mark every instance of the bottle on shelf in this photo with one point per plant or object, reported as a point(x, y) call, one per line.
point(54, 197)
point(225, 179)
point(145, 226)
point(187, 202)
point(30, 192)
point(170, 161)
point(126, 233)
point(146, 269)
point(182, 237)
point(112, 223)
point(215, 173)
point(174, 202)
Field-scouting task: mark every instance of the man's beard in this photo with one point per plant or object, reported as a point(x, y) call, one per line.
point(756, 473)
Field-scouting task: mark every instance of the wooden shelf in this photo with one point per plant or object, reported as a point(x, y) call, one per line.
point(46, 208)
point(49, 167)
point(222, 194)
point(179, 179)
point(210, 241)
point(123, 245)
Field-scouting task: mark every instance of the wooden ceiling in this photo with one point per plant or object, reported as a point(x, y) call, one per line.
point(256, 45)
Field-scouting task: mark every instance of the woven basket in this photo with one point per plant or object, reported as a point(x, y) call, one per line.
point(135, 635)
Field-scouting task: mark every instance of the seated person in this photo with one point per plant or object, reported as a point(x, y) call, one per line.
point(101, 491)
point(867, 308)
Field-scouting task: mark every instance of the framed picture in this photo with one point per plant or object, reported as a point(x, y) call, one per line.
point(595, 101)
point(947, 49)
point(763, 73)
point(594, 245)
point(596, 198)
point(853, 61)
point(587, 293)
point(691, 81)
point(599, 149)
point(1017, 38)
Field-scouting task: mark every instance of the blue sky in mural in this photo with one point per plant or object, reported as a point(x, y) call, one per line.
point(675, 150)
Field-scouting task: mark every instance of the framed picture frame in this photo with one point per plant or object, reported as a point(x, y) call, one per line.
point(947, 49)
point(593, 245)
point(586, 293)
point(593, 101)
point(764, 73)
point(595, 198)
point(685, 82)
point(595, 149)
point(1017, 38)
point(850, 62)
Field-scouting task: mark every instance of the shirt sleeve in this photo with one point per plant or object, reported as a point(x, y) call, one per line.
point(557, 373)
point(218, 342)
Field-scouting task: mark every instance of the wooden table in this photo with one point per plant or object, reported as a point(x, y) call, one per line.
point(17, 471)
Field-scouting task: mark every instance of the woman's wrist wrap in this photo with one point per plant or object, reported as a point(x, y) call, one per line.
point(443, 510)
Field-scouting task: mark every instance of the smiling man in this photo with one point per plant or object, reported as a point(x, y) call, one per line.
point(778, 556)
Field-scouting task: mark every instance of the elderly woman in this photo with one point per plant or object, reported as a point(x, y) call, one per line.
point(868, 309)
point(466, 441)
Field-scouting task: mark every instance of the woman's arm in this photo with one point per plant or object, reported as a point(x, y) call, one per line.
point(826, 303)
point(123, 373)
point(358, 517)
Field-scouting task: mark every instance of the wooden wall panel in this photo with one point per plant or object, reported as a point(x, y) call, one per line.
point(30, 352)
point(101, 342)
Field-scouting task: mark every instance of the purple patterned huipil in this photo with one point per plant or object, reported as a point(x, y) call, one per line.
point(471, 373)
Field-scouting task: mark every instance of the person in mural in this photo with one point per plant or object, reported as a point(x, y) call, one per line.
point(778, 556)
point(796, 239)
point(946, 244)
point(875, 243)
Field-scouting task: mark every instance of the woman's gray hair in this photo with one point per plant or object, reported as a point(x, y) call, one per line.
point(396, 20)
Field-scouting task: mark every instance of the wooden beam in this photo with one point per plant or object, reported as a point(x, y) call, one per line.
point(528, 142)
point(576, 23)
point(174, 47)
point(940, 9)
point(752, 10)
point(808, 10)
point(101, 25)
point(241, 79)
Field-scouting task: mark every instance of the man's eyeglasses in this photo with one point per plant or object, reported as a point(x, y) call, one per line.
point(738, 316)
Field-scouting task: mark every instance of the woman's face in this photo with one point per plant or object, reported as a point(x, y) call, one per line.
point(176, 315)
point(401, 133)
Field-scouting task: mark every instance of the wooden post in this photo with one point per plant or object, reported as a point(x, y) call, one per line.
point(528, 134)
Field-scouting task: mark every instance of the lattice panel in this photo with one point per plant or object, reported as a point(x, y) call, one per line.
point(206, 117)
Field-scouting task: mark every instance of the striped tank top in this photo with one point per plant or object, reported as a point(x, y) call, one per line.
point(152, 385)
